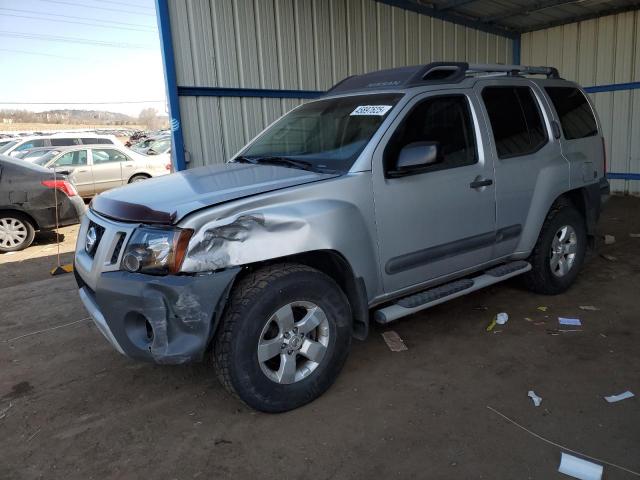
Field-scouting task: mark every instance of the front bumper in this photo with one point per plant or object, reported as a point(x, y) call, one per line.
point(166, 319)
point(162, 319)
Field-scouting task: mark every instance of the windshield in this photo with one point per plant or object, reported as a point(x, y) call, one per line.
point(45, 158)
point(325, 134)
point(7, 146)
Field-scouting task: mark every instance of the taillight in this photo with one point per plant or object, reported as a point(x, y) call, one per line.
point(62, 185)
point(168, 166)
point(604, 155)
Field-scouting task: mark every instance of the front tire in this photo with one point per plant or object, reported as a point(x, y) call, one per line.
point(559, 252)
point(138, 178)
point(16, 232)
point(284, 337)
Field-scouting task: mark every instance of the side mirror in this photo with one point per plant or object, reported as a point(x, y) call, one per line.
point(416, 157)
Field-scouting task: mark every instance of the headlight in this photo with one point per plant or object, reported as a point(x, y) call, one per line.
point(156, 251)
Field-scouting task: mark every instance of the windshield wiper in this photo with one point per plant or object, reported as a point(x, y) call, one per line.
point(274, 160)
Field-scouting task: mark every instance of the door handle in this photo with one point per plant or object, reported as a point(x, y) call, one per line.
point(83, 170)
point(481, 182)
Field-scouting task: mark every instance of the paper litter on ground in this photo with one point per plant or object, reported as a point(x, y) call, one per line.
point(394, 342)
point(578, 468)
point(611, 258)
point(621, 396)
point(574, 322)
point(536, 399)
point(588, 307)
point(634, 235)
point(543, 309)
point(609, 239)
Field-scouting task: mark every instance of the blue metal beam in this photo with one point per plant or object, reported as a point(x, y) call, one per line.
point(623, 176)
point(177, 153)
point(246, 92)
point(613, 87)
point(517, 46)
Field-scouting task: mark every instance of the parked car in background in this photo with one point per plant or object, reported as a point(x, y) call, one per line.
point(153, 145)
point(4, 141)
point(30, 197)
point(34, 153)
point(96, 168)
point(58, 140)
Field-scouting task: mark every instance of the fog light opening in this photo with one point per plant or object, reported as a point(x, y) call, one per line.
point(149, 330)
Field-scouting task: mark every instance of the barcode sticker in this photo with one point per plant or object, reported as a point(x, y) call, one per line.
point(378, 110)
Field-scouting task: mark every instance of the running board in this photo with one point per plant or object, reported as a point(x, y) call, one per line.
point(435, 296)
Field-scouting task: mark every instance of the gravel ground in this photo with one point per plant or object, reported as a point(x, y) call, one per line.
point(71, 407)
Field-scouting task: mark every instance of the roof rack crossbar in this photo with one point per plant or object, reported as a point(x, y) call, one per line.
point(549, 72)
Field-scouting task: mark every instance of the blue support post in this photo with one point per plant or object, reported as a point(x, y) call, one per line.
point(164, 26)
point(516, 50)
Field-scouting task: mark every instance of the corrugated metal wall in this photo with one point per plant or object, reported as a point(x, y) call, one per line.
point(602, 51)
point(296, 44)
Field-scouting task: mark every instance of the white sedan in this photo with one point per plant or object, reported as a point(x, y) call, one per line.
point(96, 168)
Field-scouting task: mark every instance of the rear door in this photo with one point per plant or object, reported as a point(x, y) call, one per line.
point(77, 162)
point(106, 168)
point(530, 171)
point(441, 220)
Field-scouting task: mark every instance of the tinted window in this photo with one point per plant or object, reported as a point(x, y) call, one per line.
point(31, 144)
point(444, 120)
point(574, 111)
point(63, 142)
point(107, 155)
point(96, 141)
point(515, 120)
point(72, 159)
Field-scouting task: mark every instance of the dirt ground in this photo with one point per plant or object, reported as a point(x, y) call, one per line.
point(71, 407)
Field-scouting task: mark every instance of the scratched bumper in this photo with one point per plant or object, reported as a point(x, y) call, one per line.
point(166, 320)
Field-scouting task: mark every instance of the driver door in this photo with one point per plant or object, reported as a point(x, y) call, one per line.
point(440, 219)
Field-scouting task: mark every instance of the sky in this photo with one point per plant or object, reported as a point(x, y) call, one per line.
point(103, 52)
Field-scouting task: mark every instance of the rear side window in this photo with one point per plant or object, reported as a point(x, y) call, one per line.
point(515, 120)
point(444, 120)
point(96, 141)
point(574, 111)
point(63, 142)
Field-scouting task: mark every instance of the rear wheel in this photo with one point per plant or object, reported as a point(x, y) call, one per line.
point(138, 178)
point(559, 252)
point(16, 232)
point(284, 337)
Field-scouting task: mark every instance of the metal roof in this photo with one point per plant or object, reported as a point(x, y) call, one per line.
point(513, 17)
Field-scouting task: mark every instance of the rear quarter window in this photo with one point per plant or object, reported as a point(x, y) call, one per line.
point(63, 142)
point(574, 112)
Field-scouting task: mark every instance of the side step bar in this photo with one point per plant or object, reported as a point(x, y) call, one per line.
point(435, 296)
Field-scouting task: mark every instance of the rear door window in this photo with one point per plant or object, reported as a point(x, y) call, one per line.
point(107, 155)
point(63, 142)
point(515, 119)
point(574, 112)
point(72, 159)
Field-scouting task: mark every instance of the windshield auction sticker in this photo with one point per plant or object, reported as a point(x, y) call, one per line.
point(377, 110)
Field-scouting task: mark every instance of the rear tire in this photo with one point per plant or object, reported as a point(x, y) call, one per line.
point(16, 232)
point(559, 252)
point(284, 337)
point(138, 178)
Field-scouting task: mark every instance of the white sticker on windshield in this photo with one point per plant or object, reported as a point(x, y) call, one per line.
point(378, 110)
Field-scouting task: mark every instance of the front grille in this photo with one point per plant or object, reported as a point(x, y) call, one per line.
point(99, 232)
point(118, 247)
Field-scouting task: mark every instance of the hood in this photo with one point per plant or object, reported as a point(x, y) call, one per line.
point(169, 198)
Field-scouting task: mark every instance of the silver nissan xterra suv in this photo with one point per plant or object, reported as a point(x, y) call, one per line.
point(396, 191)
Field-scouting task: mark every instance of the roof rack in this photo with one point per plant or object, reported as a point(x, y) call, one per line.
point(549, 72)
point(432, 74)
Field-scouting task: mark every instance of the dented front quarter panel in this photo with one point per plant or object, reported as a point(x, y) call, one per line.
point(335, 214)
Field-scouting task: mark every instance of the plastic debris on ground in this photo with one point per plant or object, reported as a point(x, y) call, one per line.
point(634, 235)
point(619, 397)
point(536, 399)
point(590, 308)
point(572, 322)
point(578, 468)
point(394, 342)
point(611, 258)
point(542, 309)
point(499, 319)
point(609, 239)
point(480, 308)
